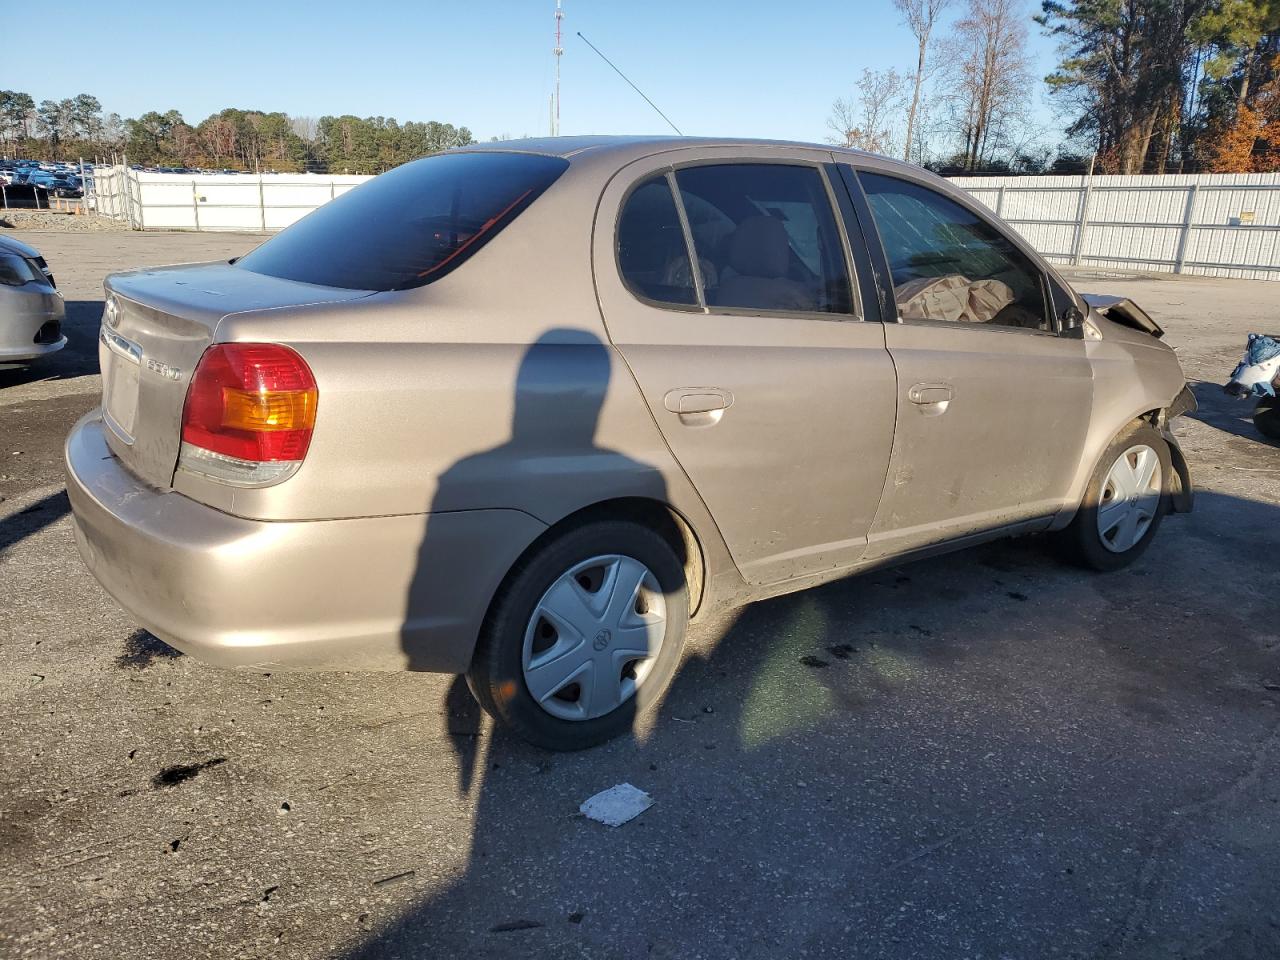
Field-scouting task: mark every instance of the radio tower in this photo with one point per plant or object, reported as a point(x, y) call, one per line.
point(558, 50)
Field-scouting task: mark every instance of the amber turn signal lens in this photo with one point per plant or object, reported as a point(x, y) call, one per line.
point(283, 410)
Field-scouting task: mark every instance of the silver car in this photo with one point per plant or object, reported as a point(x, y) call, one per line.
point(521, 411)
point(31, 308)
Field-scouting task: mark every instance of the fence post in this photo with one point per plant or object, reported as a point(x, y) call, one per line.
point(1078, 252)
point(1000, 202)
point(1188, 218)
point(195, 203)
point(142, 212)
point(262, 205)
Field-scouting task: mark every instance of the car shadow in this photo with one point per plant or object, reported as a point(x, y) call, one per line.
point(819, 752)
point(1227, 413)
point(815, 751)
point(31, 520)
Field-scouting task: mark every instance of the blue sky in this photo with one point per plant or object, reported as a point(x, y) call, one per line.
point(747, 68)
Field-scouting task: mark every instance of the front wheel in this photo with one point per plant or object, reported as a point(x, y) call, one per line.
point(586, 633)
point(1124, 501)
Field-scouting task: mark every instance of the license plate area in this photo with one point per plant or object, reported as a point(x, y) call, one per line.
point(121, 362)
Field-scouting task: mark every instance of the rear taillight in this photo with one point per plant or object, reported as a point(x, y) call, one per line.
point(249, 414)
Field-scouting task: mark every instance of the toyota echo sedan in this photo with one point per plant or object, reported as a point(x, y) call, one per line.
point(521, 411)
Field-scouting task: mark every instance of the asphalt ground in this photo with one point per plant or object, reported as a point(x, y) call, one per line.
point(986, 755)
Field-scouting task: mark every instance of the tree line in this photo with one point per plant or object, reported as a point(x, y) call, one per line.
point(229, 139)
point(1140, 86)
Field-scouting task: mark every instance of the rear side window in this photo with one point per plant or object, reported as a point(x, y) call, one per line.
point(950, 264)
point(765, 237)
point(652, 255)
point(409, 226)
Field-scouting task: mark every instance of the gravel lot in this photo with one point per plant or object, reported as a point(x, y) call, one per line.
point(986, 755)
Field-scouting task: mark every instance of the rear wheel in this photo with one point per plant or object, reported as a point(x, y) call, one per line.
point(1266, 417)
point(586, 633)
point(1124, 502)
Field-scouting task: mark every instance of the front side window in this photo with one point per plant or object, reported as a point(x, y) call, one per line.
point(765, 237)
point(409, 226)
point(948, 263)
point(653, 257)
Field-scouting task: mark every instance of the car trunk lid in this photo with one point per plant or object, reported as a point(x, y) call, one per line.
point(155, 328)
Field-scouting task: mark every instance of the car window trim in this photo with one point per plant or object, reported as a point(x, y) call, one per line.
point(1047, 305)
point(698, 306)
point(856, 307)
point(871, 292)
point(873, 241)
point(695, 264)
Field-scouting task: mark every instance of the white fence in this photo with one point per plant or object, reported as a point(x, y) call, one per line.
point(219, 201)
point(1225, 225)
point(1217, 225)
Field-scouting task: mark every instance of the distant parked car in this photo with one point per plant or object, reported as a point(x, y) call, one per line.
point(66, 186)
point(24, 196)
point(31, 308)
point(520, 412)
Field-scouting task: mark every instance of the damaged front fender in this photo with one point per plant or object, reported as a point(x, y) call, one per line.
point(1123, 311)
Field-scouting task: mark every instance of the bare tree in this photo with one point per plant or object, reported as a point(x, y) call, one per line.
point(988, 79)
point(923, 132)
point(921, 16)
point(304, 127)
point(867, 120)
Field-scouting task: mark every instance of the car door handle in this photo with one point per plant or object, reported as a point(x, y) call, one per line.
point(697, 399)
point(931, 399)
point(930, 393)
point(698, 406)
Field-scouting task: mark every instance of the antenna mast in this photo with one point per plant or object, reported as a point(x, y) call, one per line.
point(558, 50)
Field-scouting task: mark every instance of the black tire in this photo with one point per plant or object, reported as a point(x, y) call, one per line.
point(496, 677)
point(1081, 540)
point(1266, 417)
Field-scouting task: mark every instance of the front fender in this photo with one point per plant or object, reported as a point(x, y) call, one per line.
point(1182, 496)
point(1135, 377)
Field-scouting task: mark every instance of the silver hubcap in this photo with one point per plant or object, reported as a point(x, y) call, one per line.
point(1130, 498)
point(593, 637)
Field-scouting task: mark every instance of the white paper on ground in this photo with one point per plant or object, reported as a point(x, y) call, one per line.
point(617, 805)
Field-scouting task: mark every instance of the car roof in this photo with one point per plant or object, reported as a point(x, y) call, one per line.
point(10, 245)
point(633, 146)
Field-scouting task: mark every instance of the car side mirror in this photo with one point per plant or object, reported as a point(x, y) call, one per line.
point(1071, 323)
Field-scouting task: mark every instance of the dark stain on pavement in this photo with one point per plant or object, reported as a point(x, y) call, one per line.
point(180, 773)
point(142, 649)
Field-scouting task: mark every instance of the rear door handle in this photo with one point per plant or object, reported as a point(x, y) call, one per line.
point(698, 406)
point(930, 393)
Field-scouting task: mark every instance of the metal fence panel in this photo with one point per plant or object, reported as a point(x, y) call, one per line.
point(1223, 225)
point(242, 202)
point(1209, 224)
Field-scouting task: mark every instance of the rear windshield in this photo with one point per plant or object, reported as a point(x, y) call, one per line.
point(409, 226)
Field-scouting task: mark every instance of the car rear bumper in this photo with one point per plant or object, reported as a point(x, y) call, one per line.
point(381, 593)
